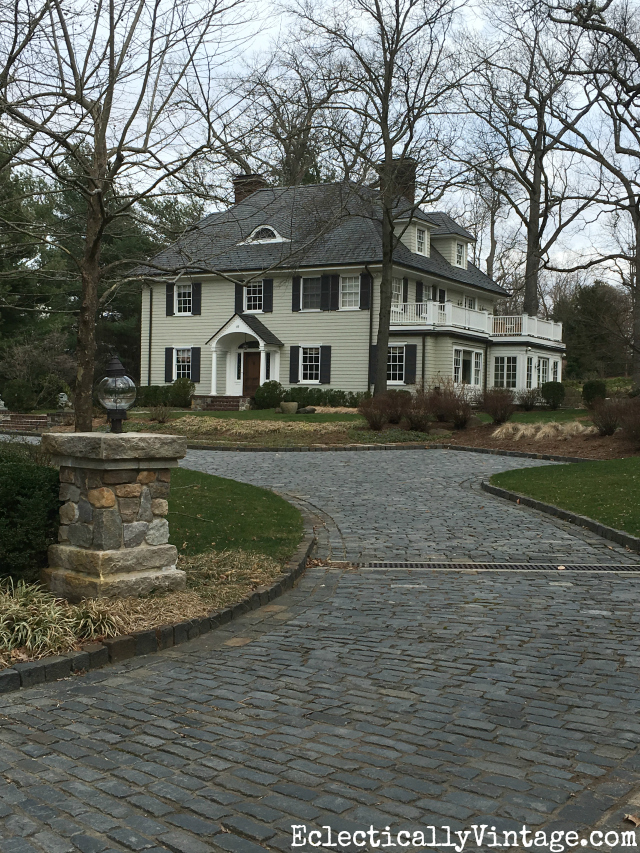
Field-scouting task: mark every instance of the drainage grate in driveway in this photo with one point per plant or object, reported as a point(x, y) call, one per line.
point(504, 567)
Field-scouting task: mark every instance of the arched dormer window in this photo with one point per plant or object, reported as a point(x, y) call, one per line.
point(264, 234)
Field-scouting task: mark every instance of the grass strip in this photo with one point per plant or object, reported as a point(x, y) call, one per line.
point(607, 491)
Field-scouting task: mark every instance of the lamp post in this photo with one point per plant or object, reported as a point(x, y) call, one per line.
point(117, 393)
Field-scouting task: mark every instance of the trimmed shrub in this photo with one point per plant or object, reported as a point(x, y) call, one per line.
point(528, 399)
point(375, 411)
point(607, 415)
point(630, 420)
point(552, 393)
point(398, 404)
point(594, 389)
point(181, 392)
point(28, 515)
point(499, 404)
point(324, 397)
point(19, 396)
point(269, 395)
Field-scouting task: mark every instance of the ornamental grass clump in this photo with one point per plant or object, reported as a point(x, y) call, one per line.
point(34, 620)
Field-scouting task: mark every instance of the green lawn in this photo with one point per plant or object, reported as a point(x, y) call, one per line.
point(207, 512)
point(608, 491)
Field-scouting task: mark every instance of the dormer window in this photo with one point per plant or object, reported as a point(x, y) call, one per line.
point(420, 241)
point(460, 254)
point(264, 234)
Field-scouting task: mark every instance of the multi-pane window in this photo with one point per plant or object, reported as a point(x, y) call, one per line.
point(498, 371)
point(470, 302)
point(460, 254)
point(543, 370)
point(457, 366)
point(420, 240)
point(555, 371)
point(395, 364)
point(529, 372)
point(477, 368)
point(183, 364)
point(396, 290)
point(253, 296)
point(512, 371)
point(349, 291)
point(183, 299)
point(310, 358)
point(310, 293)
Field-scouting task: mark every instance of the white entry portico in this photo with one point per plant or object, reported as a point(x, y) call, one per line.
point(245, 354)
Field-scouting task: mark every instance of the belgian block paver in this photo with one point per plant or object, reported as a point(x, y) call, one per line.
point(398, 697)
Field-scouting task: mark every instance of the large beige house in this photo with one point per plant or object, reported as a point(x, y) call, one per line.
point(284, 285)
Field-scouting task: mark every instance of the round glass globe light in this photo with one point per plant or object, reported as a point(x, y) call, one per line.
point(117, 392)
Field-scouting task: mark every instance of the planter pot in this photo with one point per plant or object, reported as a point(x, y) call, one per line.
point(289, 408)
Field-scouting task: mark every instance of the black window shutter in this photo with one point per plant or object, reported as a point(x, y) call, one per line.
point(168, 364)
point(365, 290)
point(239, 299)
point(195, 364)
point(325, 293)
point(419, 291)
point(196, 298)
point(295, 295)
point(294, 361)
point(325, 365)
point(170, 311)
point(335, 292)
point(267, 295)
point(405, 289)
point(410, 359)
point(373, 363)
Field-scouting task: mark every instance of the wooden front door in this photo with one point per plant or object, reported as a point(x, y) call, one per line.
point(250, 374)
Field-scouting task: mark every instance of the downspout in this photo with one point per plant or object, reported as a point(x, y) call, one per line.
point(150, 333)
point(370, 328)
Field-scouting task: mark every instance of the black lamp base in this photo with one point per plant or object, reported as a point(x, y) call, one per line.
point(116, 416)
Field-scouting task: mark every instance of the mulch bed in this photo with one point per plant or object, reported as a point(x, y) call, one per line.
point(586, 447)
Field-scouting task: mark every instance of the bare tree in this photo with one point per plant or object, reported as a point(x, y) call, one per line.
point(610, 74)
point(395, 71)
point(104, 115)
point(523, 74)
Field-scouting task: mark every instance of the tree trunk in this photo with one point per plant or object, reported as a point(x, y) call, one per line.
point(86, 347)
point(384, 316)
point(534, 253)
point(635, 303)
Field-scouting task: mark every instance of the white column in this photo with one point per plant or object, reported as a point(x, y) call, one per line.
point(214, 372)
point(263, 364)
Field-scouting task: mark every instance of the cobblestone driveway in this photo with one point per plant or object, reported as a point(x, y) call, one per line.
point(398, 697)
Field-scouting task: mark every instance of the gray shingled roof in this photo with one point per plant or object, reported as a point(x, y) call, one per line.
point(324, 225)
point(256, 326)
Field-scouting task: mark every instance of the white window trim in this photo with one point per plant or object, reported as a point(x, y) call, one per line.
point(302, 381)
point(277, 239)
point(464, 254)
point(245, 296)
point(462, 349)
point(349, 307)
point(424, 241)
point(402, 344)
point(175, 301)
point(175, 360)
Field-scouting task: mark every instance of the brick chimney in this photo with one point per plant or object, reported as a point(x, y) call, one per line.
point(245, 185)
point(402, 176)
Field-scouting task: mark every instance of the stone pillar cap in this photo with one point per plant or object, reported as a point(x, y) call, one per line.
point(109, 447)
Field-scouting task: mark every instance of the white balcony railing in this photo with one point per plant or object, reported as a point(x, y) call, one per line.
point(448, 314)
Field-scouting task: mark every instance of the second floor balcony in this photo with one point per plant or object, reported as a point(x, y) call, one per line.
point(458, 317)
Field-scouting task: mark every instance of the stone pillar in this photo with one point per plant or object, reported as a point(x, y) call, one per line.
point(113, 536)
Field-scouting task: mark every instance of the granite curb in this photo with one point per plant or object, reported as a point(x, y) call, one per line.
point(117, 649)
point(610, 533)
